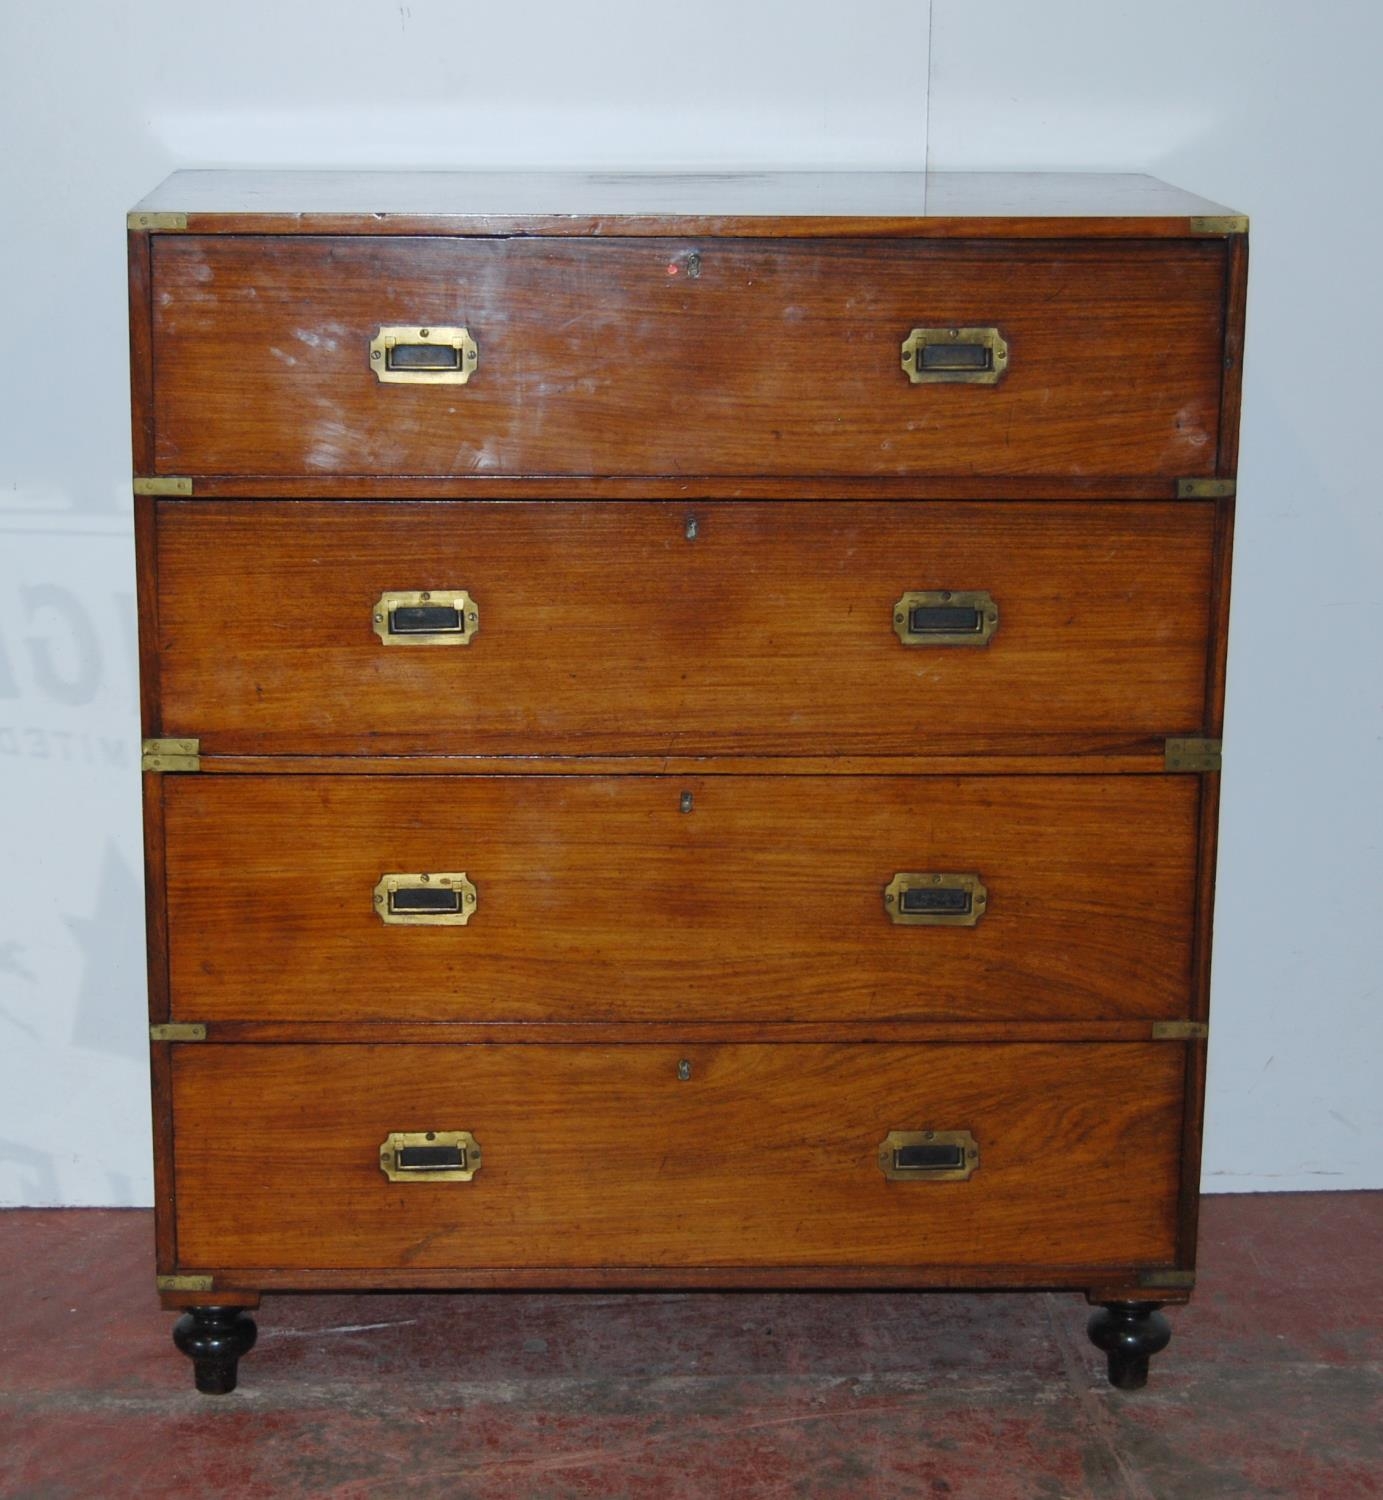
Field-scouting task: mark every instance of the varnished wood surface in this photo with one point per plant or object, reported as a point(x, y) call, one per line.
point(934, 488)
point(600, 899)
point(604, 630)
point(141, 354)
point(331, 1033)
point(721, 203)
point(697, 668)
point(611, 358)
point(1100, 1283)
point(988, 755)
point(765, 1156)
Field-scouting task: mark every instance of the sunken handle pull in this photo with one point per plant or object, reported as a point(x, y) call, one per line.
point(429, 1156)
point(955, 356)
point(929, 1155)
point(933, 898)
point(435, 898)
point(426, 617)
point(946, 617)
point(423, 355)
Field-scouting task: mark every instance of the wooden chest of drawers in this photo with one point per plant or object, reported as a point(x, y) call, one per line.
point(682, 731)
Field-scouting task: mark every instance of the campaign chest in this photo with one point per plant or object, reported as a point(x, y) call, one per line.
point(682, 731)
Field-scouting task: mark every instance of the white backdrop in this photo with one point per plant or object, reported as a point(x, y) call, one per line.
point(1250, 102)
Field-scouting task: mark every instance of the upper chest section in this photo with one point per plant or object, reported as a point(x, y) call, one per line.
point(302, 355)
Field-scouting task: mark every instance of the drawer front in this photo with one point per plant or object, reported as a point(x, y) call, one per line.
point(607, 629)
point(605, 1156)
point(657, 898)
point(630, 357)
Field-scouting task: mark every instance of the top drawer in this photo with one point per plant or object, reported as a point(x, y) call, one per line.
point(657, 356)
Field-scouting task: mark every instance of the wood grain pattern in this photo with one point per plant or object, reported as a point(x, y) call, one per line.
point(604, 630)
point(599, 899)
point(331, 1033)
point(601, 1155)
point(1100, 1283)
point(141, 354)
point(935, 488)
point(779, 357)
point(987, 755)
point(739, 204)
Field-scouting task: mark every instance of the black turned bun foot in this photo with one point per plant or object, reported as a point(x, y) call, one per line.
point(1130, 1333)
point(214, 1338)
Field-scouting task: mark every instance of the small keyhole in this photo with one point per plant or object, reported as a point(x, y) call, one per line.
point(687, 801)
point(692, 528)
point(683, 1070)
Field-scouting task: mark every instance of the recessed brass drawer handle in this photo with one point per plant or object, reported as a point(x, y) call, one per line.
point(926, 898)
point(423, 355)
point(429, 1156)
point(946, 617)
point(929, 1155)
point(429, 617)
point(955, 356)
point(435, 899)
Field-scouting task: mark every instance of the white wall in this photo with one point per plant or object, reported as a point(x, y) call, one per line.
point(1248, 102)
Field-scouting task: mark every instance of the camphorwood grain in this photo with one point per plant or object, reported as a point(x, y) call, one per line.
point(606, 630)
point(602, 1156)
point(1041, 205)
point(775, 357)
point(599, 898)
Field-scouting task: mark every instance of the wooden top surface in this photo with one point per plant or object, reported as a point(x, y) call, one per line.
point(797, 204)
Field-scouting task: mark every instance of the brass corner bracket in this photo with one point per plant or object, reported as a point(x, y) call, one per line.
point(1171, 1280)
point(183, 1283)
point(1219, 224)
point(1179, 1031)
point(1204, 489)
point(164, 484)
point(164, 222)
point(1193, 755)
point(171, 755)
point(178, 1031)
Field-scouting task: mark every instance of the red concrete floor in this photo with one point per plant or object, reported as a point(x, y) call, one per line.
point(1271, 1386)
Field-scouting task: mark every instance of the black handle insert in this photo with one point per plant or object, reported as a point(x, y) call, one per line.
point(424, 619)
point(925, 1158)
point(425, 898)
point(943, 619)
point(423, 357)
point(430, 1158)
point(949, 899)
point(957, 357)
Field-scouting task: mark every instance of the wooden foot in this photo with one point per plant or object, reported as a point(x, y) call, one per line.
point(1130, 1333)
point(214, 1338)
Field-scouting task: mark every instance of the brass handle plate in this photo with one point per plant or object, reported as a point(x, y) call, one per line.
point(955, 356)
point(945, 617)
point(434, 899)
point(928, 898)
point(929, 1155)
point(428, 617)
point(423, 355)
point(429, 1156)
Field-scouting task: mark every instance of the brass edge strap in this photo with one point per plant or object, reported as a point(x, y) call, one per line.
point(162, 484)
point(1172, 1280)
point(183, 1283)
point(1179, 1031)
point(171, 755)
point(1219, 224)
point(165, 222)
point(1191, 755)
point(178, 1031)
point(1205, 489)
